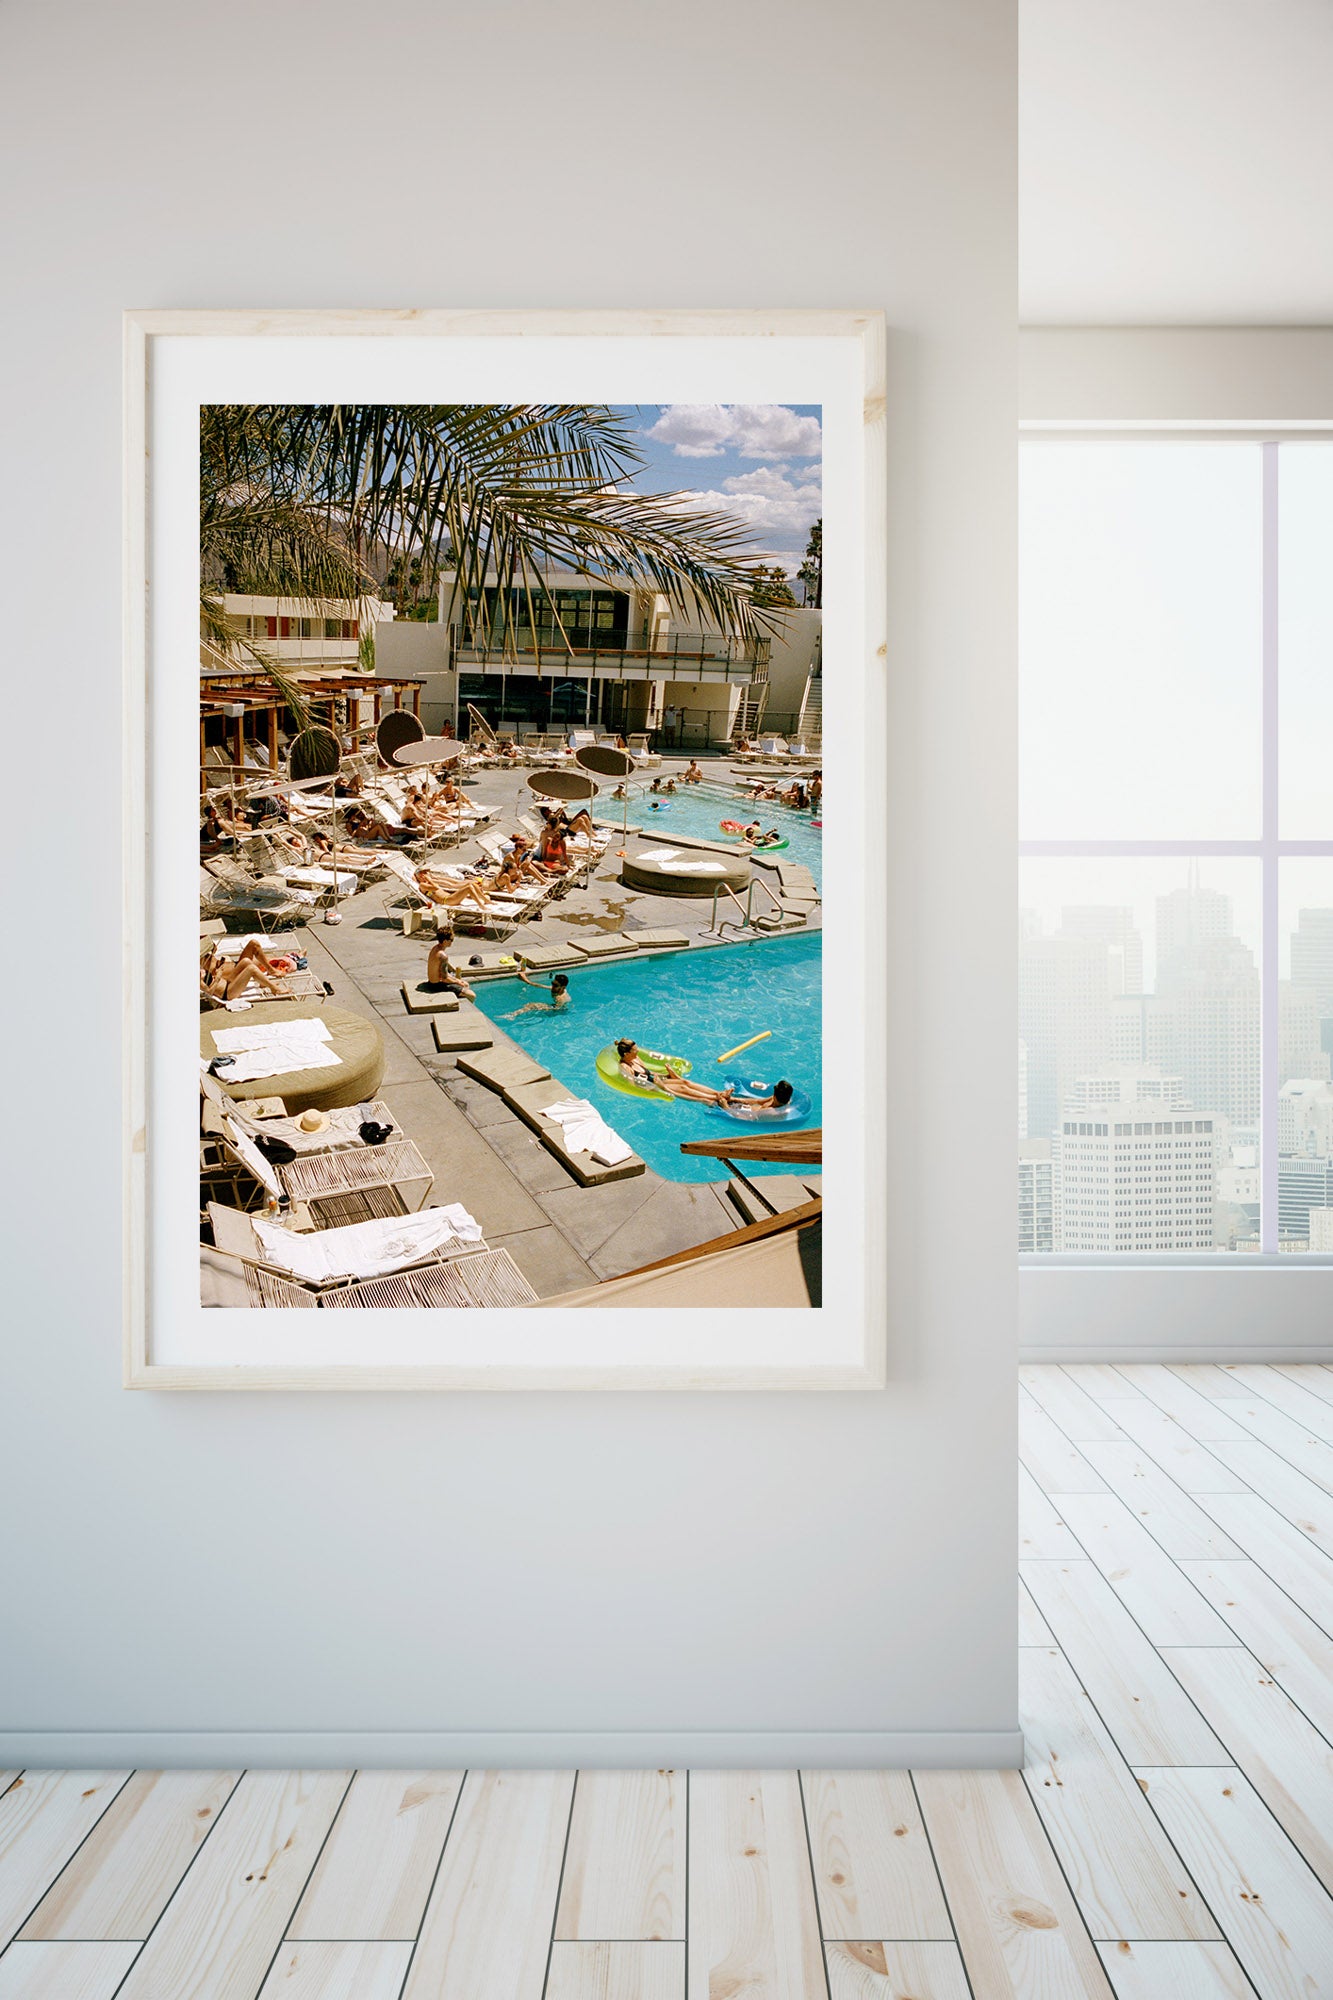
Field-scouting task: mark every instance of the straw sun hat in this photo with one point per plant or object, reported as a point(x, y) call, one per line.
point(312, 1121)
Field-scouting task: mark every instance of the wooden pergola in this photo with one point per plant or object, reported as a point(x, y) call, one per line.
point(255, 695)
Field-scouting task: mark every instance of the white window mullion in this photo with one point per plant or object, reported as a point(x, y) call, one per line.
point(1268, 963)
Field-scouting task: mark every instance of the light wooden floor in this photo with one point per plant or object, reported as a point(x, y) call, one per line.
point(1171, 1838)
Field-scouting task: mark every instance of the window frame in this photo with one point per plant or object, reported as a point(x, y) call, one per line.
point(1269, 849)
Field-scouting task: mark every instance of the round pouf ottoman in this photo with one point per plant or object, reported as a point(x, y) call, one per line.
point(357, 1043)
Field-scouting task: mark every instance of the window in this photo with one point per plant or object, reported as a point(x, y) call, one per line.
point(1176, 919)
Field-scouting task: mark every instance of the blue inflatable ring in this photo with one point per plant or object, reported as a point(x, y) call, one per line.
point(749, 1114)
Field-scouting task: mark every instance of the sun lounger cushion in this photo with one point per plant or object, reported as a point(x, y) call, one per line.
point(365, 1249)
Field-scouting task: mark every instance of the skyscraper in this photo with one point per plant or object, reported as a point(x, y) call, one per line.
point(1134, 1166)
point(1312, 957)
point(1063, 1017)
point(1036, 1196)
point(1112, 924)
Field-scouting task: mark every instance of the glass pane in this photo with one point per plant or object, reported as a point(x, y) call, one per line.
point(1138, 1120)
point(1305, 640)
point(1141, 641)
point(1305, 1095)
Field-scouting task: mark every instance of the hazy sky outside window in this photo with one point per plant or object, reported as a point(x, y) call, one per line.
point(1140, 631)
point(1305, 642)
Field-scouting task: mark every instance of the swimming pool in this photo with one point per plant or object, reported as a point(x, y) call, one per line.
point(695, 1004)
point(695, 812)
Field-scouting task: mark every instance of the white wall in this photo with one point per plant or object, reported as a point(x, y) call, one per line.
point(754, 1577)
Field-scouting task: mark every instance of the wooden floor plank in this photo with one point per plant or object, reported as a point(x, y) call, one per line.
point(1282, 1754)
point(1205, 1418)
point(625, 1867)
point(1175, 1972)
point(1289, 1557)
point(1292, 1398)
point(754, 1929)
point(1041, 1532)
point(1317, 1379)
point(44, 1816)
point(1098, 1379)
point(1211, 1380)
point(85, 1971)
point(1032, 1627)
point(1276, 1917)
point(1126, 1879)
point(642, 1971)
point(337, 1971)
point(124, 1875)
point(490, 1916)
point(1079, 1415)
point(1048, 1455)
point(1173, 1520)
point(219, 1932)
point(873, 1869)
point(1018, 1928)
point(1307, 1506)
point(1137, 1697)
point(1284, 1639)
point(1141, 1574)
point(7, 1778)
point(1290, 1440)
point(373, 1878)
point(1169, 1445)
point(887, 1971)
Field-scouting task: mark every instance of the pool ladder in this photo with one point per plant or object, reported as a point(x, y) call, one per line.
point(748, 920)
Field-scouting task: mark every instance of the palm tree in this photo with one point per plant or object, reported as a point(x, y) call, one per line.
point(311, 501)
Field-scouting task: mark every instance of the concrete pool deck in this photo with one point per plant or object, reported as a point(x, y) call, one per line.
point(482, 1148)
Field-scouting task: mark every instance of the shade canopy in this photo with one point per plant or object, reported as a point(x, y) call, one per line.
point(395, 729)
point(315, 753)
point(562, 785)
point(606, 760)
point(430, 750)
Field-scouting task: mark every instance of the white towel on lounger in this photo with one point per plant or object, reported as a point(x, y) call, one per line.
point(586, 1131)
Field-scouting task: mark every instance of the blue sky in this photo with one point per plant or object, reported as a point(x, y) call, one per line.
point(759, 461)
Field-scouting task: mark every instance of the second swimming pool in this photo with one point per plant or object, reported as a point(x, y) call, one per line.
point(696, 813)
point(694, 1003)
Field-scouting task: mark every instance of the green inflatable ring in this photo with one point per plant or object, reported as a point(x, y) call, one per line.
point(759, 846)
point(608, 1069)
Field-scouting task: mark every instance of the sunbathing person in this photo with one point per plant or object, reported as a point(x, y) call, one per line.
point(448, 895)
point(441, 977)
point(523, 859)
point(553, 853)
point(580, 823)
point(692, 775)
point(633, 1067)
point(227, 978)
point(777, 1100)
point(559, 1000)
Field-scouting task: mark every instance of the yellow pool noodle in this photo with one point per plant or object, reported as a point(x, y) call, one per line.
point(742, 1046)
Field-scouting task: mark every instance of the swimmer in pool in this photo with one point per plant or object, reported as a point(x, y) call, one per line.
point(634, 1070)
point(559, 1000)
point(777, 1100)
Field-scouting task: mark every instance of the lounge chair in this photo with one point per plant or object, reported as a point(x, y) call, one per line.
point(643, 754)
point(267, 902)
point(324, 1176)
point(407, 1261)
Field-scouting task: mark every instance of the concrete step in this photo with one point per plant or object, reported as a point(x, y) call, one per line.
point(462, 1032)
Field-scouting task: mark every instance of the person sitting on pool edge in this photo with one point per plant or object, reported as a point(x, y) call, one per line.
point(559, 990)
point(692, 775)
point(634, 1070)
point(440, 975)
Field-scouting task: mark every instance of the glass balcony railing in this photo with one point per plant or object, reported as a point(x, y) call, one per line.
point(685, 656)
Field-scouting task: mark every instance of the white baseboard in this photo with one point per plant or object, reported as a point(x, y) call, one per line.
point(369, 1749)
point(1221, 1353)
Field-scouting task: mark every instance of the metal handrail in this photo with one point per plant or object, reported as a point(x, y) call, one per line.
point(725, 889)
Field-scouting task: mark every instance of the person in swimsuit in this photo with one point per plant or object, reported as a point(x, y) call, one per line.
point(559, 1000)
point(777, 1100)
point(449, 895)
point(634, 1070)
point(692, 775)
point(440, 975)
point(227, 978)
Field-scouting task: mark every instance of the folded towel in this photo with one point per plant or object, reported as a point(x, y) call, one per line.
point(260, 1034)
point(586, 1131)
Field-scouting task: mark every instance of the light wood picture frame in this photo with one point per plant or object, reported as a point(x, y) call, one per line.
point(179, 362)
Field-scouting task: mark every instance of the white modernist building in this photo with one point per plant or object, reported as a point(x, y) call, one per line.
point(1134, 1166)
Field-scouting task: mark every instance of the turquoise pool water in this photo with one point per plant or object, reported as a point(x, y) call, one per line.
point(695, 1004)
point(696, 812)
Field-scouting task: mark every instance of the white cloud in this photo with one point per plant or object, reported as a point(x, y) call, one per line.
point(752, 430)
point(778, 510)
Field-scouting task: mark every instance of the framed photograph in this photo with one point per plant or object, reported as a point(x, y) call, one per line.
point(505, 749)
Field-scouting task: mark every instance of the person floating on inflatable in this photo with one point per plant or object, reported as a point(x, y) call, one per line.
point(635, 1071)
